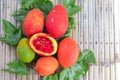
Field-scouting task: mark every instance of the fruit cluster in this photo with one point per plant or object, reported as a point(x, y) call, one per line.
point(44, 43)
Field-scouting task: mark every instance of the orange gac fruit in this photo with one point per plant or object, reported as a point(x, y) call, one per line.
point(57, 21)
point(46, 66)
point(33, 22)
point(43, 44)
point(68, 52)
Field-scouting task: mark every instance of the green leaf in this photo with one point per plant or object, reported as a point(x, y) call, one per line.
point(44, 77)
point(64, 74)
point(20, 15)
point(88, 56)
point(12, 35)
point(72, 25)
point(44, 5)
point(17, 67)
point(77, 76)
point(73, 10)
point(26, 3)
point(66, 3)
point(84, 67)
point(80, 68)
point(71, 7)
point(9, 40)
point(76, 67)
point(51, 77)
point(56, 77)
point(9, 28)
point(71, 74)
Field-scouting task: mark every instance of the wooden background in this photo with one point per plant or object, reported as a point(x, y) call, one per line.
point(98, 28)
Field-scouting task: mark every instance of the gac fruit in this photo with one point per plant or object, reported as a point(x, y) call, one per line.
point(33, 22)
point(46, 66)
point(43, 44)
point(57, 21)
point(68, 52)
point(24, 52)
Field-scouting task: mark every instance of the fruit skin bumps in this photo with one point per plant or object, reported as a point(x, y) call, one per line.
point(46, 65)
point(33, 22)
point(68, 52)
point(24, 52)
point(57, 21)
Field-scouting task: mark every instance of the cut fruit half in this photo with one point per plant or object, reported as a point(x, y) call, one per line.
point(43, 44)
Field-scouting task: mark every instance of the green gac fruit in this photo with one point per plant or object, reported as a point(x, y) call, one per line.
point(24, 52)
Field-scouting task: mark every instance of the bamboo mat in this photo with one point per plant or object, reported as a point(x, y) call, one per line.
point(98, 28)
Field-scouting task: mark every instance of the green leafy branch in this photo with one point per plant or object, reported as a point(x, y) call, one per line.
point(26, 5)
point(17, 67)
point(12, 34)
point(72, 10)
point(77, 70)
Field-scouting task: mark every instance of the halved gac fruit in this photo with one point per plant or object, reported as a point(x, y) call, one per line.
point(46, 66)
point(43, 44)
point(57, 21)
point(68, 52)
point(33, 22)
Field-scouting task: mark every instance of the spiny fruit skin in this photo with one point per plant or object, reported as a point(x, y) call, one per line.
point(43, 44)
point(24, 52)
point(46, 65)
point(33, 22)
point(57, 21)
point(68, 52)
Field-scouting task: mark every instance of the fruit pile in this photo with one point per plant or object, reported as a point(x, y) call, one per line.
point(42, 39)
point(45, 44)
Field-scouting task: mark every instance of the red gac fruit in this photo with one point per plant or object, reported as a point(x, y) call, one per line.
point(57, 21)
point(33, 22)
point(68, 52)
point(46, 66)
